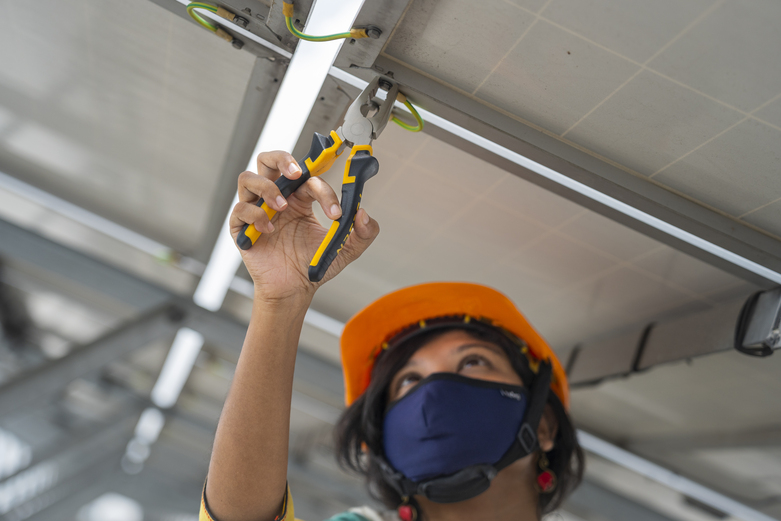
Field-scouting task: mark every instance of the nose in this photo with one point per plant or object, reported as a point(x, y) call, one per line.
point(437, 366)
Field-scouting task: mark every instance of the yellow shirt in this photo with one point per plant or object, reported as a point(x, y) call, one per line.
point(287, 513)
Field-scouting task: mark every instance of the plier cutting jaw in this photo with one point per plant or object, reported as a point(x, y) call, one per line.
point(364, 122)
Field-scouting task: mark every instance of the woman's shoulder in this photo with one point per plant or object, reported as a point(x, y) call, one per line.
point(365, 514)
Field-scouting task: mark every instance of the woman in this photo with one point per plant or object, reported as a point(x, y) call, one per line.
point(457, 407)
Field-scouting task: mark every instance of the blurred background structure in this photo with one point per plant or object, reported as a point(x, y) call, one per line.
point(649, 213)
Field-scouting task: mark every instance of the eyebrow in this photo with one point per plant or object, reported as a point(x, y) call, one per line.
point(485, 345)
point(460, 349)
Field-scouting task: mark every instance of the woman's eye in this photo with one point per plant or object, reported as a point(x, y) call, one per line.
point(474, 361)
point(406, 381)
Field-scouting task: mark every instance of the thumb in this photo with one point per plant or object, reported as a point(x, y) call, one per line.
point(365, 230)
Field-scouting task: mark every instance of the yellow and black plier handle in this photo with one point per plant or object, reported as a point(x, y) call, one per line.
point(357, 132)
point(319, 159)
point(361, 166)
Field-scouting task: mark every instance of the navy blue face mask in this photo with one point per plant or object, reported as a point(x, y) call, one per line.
point(449, 422)
point(449, 436)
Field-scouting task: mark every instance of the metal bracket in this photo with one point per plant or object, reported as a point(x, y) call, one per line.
point(759, 325)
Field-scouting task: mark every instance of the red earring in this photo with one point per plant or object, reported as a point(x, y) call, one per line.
point(406, 511)
point(546, 479)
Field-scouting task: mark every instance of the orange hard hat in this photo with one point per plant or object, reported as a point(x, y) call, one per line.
point(364, 334)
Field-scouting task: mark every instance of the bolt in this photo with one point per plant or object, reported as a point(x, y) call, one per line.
point(385, 84)
point(247, 10)
point(237, 44)
point(373, 32)
point(241, 22)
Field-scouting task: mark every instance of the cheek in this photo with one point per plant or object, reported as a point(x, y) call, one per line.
point(506, 378)
point(503, 372)
point(514, 378)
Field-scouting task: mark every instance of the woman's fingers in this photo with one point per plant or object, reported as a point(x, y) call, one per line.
point(253, 187)
point(247, 213)
point(261, 186)
point(273, 164)
point(315, 189)
point(365, 230)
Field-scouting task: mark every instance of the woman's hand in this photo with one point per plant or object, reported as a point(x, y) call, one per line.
point(279, 260)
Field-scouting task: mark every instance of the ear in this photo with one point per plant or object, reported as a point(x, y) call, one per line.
point(546, 431)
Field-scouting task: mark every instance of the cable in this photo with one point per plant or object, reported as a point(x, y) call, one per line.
point(287, 10)
point(222, 13)
point(415, 114)
point(198, 18)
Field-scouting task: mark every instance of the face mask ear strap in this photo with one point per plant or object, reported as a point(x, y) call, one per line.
point(539, 391)
point(527, 442)
point(397, 480)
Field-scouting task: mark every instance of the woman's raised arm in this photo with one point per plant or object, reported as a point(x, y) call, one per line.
point(248, 469)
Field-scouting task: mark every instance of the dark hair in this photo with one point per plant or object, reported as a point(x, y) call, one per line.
point(359, 431)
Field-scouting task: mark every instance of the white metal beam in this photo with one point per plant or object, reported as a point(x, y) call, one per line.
point(669, 478)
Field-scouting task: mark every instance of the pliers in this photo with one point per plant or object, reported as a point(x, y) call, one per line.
point(364, 121)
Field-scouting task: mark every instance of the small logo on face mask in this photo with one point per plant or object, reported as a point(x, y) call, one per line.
point(511, 394)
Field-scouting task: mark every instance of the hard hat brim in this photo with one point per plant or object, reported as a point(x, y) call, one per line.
point(365, 333)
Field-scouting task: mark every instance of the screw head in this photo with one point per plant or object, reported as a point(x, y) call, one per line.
point(373, 32)
point(384, 84)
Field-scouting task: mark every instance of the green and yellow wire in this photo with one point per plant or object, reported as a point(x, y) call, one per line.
point(216, 29)
point(198, 18)
point(287, 10)
point(415, 114)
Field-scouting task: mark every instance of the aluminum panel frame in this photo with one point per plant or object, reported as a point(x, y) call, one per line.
point(577, 164)
point(257, 26)
point(699, 334)
point(261, 91)
point(594, 361)
point(383, 15)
